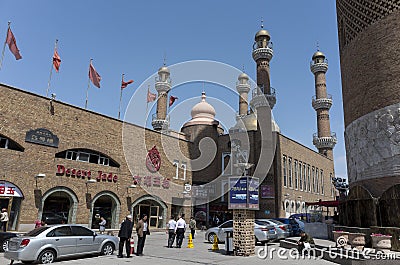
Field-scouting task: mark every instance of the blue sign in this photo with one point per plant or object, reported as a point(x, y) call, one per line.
point(253, 195)
point(243, 193)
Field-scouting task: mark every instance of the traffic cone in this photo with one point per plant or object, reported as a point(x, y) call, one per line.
point(132, 242)
point(190, 242)
point(215, 244)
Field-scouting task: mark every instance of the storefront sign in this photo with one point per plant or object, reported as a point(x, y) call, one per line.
point(153, 160)
point(243, 193)
point(42, 136)
point(78, 173)
point(152, 181)
point(267, 191)
point(8, 189)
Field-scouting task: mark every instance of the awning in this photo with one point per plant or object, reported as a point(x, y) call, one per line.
point(324, 203)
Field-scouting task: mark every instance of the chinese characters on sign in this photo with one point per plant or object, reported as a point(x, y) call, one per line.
point(243, 193)
point(152, 181)
point(42, 136)
point(7, 189)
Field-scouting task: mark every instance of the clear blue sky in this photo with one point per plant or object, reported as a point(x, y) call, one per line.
point(131, 37)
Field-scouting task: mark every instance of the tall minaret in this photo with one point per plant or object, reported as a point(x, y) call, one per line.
point(243, 88)
point(322, 102)
point(262, 54)
point(163, 85)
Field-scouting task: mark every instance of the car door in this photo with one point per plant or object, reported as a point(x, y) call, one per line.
point(86, 241)
point(63, 240)
point(227, 226)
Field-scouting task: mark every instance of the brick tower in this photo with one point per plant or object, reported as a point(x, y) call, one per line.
point(163, 85)
point(322, 102)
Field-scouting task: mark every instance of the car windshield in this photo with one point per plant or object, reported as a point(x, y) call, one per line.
point(276, 222)
point(261, 222)
point(37, 231)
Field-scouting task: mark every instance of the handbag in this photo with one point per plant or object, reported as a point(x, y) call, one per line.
point(307, 245)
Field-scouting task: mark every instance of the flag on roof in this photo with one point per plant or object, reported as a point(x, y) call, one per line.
point(94, 76)
point(12, 44)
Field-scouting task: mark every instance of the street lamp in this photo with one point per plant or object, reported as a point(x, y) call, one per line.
point(88, 195)
point(39, 176)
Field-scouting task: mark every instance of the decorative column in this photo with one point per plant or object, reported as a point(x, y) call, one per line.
point(322, 102)
point(163, 85)
point(243, 88)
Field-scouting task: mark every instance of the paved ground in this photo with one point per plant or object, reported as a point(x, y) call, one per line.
point(156, 252)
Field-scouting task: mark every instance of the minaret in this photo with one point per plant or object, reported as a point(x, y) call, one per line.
point(322, 102)
point(163, 85)
point(262, 55)
point(243, 88)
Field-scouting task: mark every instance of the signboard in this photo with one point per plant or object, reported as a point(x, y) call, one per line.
point(267, 191)
point(8, 189)
point(42, 136)
point(243, 193)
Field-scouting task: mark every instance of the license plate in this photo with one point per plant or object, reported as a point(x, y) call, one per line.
point(272, 231)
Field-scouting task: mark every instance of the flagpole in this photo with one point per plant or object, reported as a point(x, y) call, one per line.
point(51, 70)
point(120, 98)
point(87, 90)
point(4, 46)
point(147, 105)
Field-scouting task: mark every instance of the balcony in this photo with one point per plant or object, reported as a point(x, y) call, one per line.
point(324, 142)
point(162, 86)
point(316, 67)
point(159, 124)
point(260, 52)
point(258, 98)
point(322, 103)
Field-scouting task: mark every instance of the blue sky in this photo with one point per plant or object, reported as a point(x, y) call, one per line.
point(132, 37)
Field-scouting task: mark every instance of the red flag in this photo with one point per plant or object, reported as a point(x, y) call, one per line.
point(172, 100)
point(94, 76)
point(125, 84)
point(150, 96)
point(56, 60)
point(12, 44)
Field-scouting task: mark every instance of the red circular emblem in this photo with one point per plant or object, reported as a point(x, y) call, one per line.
point(153, 160)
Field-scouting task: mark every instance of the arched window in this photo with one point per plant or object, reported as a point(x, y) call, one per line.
point(89, 156)
point(7, 143)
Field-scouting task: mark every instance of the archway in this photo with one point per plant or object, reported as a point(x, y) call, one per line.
point(59, 205)
point(10, 199)
point(105, 204)
point(155, 209)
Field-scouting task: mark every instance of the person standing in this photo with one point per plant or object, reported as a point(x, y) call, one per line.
point(171, 231)
point(192, 226)
point(4, 219)
point(180, 231)
point(142, 230)
point(102, 225)
point(124, 234)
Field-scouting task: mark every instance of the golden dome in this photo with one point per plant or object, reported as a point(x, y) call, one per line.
point(318, 54)
point(163, 69)
point(262, 33)
point(243, 76)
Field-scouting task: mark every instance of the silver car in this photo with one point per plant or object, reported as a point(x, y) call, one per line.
point(262, 232)
point(47, 243)
point(282, 229)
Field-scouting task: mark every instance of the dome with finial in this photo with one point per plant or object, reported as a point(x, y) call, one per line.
point(262, 32)
point(203, 109)
point(318, 54)
point(243, 76)
point(163, 69)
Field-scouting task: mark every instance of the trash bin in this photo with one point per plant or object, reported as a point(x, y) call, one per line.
point(229, 242)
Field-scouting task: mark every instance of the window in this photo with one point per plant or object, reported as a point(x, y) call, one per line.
point(183, 166)
point(300, 176)
point(313, 178)
point(7, 143)
point(88, 156)
point(3, 143)
point(81, 231)
point(60, 231)
point(296, 175)
point(290, 173)
point(322, 181)
point(284, 171)
point(308, 178)
point(176, 164)
point(317, 180)
point(226, 167)
point(227, 224)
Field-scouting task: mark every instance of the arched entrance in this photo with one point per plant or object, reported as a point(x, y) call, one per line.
point(10, 198)
point(105, 204)
point(155, 209)
point(59, 205)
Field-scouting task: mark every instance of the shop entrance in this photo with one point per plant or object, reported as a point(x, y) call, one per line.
point(56, 208)
point(152, 213)
point(155, 211)
point(105, 205)
point(10, 199)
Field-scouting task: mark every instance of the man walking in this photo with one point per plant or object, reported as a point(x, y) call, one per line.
point(171, 231)
point(142, 230)
point(4, 219)
point(124, 234)
point(192, 226)
point(180, 231)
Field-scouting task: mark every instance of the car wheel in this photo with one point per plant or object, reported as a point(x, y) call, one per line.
point(47, 256)
point(4, 246)
point(211, 237)
point(107, 249)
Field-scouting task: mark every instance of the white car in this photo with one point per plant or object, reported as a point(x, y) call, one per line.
point(262, 232)
point(47, 243)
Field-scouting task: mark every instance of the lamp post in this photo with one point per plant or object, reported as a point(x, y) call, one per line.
point(39, 176)
point(88, 195)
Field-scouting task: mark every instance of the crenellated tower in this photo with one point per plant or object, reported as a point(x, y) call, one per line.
point(163, 86)
point(324, 140)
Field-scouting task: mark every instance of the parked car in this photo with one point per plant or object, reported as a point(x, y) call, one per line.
point(282, 230)
point(51, 218)
point(294, 226)
point(263, 232)
point(4, 238)
point(47, 243)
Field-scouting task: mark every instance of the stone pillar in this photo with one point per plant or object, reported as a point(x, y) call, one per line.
point(243, 232)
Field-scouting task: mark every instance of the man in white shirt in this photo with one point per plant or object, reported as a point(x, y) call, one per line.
point(180, 231)
point(171, 231)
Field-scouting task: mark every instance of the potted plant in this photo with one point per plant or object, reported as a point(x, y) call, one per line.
point(357, 240)
point(341, 238)
point(381, 242)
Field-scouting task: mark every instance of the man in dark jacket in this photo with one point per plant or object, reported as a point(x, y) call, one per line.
point(142, 230)
point(124, 234)
point(305, 239)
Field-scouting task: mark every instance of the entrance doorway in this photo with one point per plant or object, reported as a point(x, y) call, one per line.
point(56, 208)
point(152, 213)
point(10, 199)
point(155, 210)
point(107, 205)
